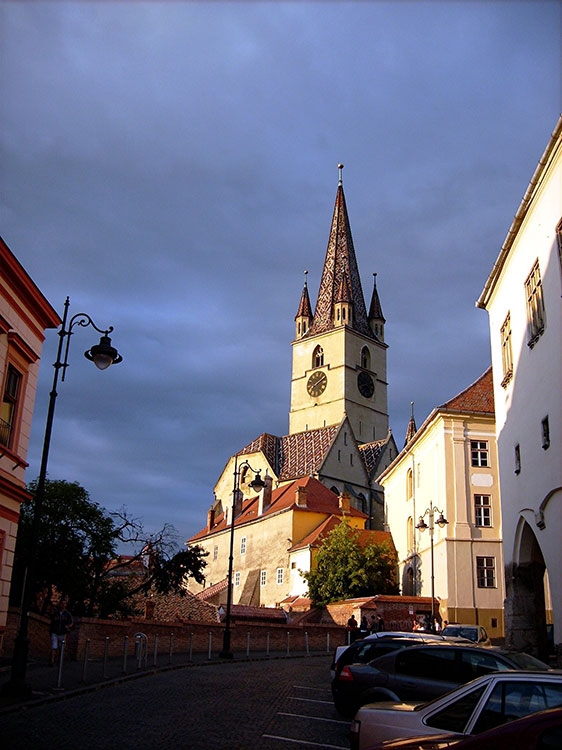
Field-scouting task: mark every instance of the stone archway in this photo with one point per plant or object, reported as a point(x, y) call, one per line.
point(525, 618)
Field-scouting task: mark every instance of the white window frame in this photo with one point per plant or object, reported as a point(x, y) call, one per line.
point(279, 576)
point(486, 572)
point(263, 577)
point(482, 511)
point(237, 578)
point(215, 551)
point(535, 305)
point(479, 453)
point(243, 545)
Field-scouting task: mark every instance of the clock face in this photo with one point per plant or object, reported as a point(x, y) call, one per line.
point(365, 384)
point(317, 383)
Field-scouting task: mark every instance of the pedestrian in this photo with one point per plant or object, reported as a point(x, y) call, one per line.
point(380, 624)
point(373, 625)
point(436, 626)
point(352, 628)
point(364, 625)
point(61, 623)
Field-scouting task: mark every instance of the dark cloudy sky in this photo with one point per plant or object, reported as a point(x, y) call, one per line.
point(172, 167)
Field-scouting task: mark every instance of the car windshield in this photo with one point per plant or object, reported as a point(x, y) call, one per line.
point(462, 632)
point(526, 661)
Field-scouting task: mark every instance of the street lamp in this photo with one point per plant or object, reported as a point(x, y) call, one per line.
point(256, 484)
point(102, 355)
point(441, 521)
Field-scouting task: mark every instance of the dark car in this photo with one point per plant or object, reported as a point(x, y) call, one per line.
point(367, 649)
point(421, 673)
point(540, 731)
point(474, 633)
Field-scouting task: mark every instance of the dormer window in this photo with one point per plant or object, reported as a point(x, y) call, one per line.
point(318, 357)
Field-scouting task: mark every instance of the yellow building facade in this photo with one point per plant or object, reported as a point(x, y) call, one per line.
point(450, 465)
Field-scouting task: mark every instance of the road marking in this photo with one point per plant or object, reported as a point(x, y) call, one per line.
point(303, 742)
point(306, 687)
point(314, 718)
point(310, 700)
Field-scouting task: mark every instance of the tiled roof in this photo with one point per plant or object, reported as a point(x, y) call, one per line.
point(375, 309)
point(211, 591)
point(364, 536)
point(478, 397)
point(319, 499)
point(305, 309)
point(241, 612)
point(340, 260)
point(371, 453)
point(302, 453)
point(265, 443)
point(172, 607)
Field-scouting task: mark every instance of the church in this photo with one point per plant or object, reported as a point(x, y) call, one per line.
point(338, 437)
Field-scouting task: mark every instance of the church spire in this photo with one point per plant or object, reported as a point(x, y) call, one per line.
point(412, 429)
point(376, 318)
point(340, 262)
point(304, 313)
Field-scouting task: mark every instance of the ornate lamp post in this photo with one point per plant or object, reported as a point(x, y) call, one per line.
point(441, 521)
point(256, 484)
point(102, 355)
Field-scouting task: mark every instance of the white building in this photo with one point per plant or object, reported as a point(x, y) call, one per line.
point(523, 297)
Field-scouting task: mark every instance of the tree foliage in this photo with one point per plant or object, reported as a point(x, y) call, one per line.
point(81, 554)
point(344, 569)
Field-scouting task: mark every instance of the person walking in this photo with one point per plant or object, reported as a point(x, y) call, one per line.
point(352, 628)
point(61, 623)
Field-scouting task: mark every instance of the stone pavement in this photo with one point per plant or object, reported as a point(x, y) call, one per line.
point(52, 683)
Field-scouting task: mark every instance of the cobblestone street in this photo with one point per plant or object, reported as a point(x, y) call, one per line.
point(256, 704)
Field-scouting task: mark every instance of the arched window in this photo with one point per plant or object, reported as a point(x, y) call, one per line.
point(410, 533)
point(365, 358)
point(318, 357)
point(409, 583)
point(409, 484)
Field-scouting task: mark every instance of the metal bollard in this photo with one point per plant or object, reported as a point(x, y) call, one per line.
point(306, 644)
point(155, 656)
point(125, 644)
point(171, 648)
point(267, 644)
point(61, 658)
point(248, 645)
point(288, 643)
point(105, 653)
point(348, 637)
point(327, 643)
point(85, 665)
point(210, 646)
point(191, 647)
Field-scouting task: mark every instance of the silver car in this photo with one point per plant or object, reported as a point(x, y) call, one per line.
point(475, 707)
point(475, 633)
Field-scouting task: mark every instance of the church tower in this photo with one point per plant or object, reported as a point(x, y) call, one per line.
point(339, 353)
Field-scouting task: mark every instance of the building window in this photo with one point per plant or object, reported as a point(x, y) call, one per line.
point(215, 552)
point(419, 474)
point(318, 357)
point(237, 578)
point(486, 572)
point(517, 459)
point(479, 452)
point(293, 565)
point(339, 455)
point(243, 545)
point(9, 413)
point(545, 434)
point(351, 459)
point(482, 510)
point(535, 305)
point(2, 543)
point(365, 358)
point(410, 533)
point(345, 438)
point(263, 577)
point(507, 357)
point(409, 484)
point(279, 575)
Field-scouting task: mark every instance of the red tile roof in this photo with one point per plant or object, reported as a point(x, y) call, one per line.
point(319, 499)
point(211, 591)
point(319, 534)
point(242, 612)
point(478, 397)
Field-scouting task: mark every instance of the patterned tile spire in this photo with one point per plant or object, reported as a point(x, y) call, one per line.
point(375, 310)
point(305, 308)
point(340, 262)
point(412, 429)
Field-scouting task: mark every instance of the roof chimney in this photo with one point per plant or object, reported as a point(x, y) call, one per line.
point(301, 497)
point(343, 502)
point(238, 503)
point(210, 519)
point(264, 497)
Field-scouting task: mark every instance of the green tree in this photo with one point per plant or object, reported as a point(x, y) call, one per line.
point(344, 569)
point(77, 554)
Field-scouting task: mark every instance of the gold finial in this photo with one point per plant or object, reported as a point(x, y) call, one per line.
point(305, 277)
point(340, 167)
point(412, 405)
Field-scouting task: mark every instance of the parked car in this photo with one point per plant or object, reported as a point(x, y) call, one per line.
point(540, 731)
point(421, 673)
point(375, 645)
point(474, 708)
point(474, 633)
point(357, 647)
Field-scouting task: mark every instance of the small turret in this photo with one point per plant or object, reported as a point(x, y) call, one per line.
point(412, 429)
point(376, 318)
point(343, 303)
point(304, 313)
